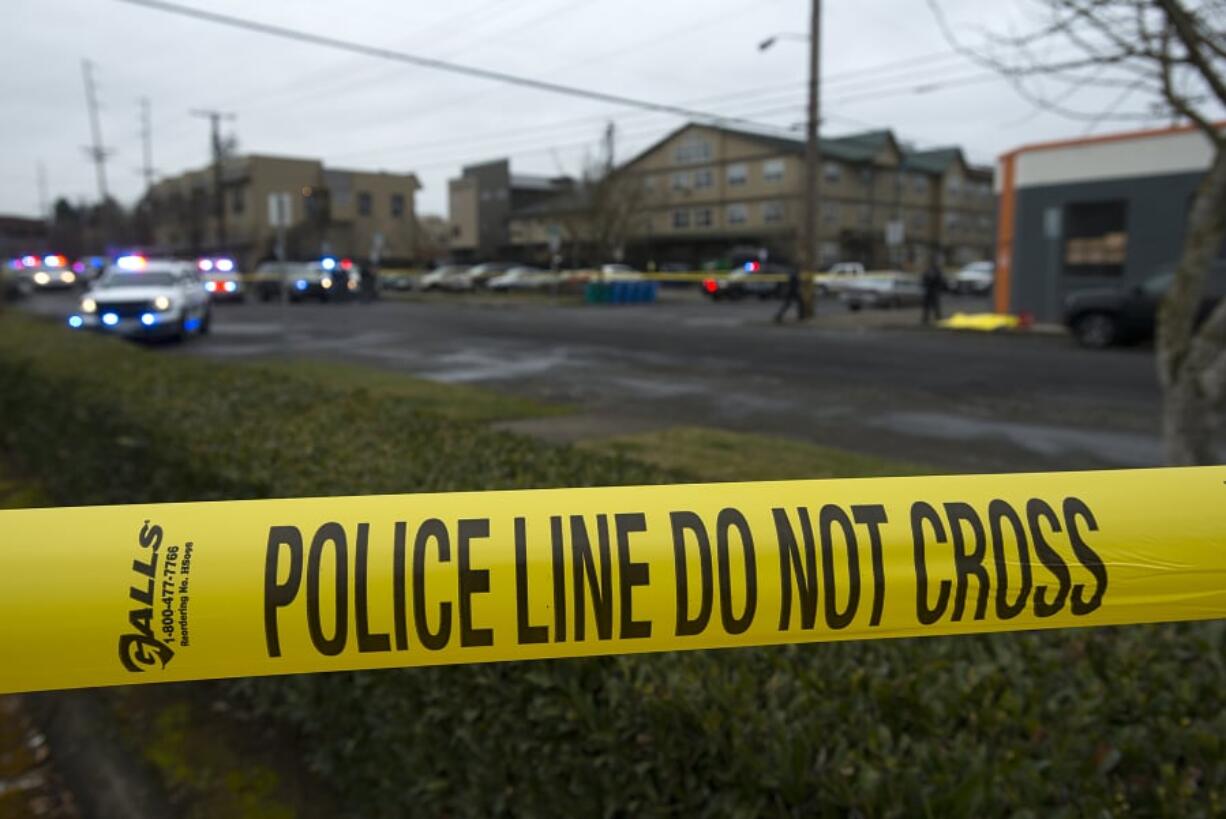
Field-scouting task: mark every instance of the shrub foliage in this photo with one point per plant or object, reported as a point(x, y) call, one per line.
point(1110, 722)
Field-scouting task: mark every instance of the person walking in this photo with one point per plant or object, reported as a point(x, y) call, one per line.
point(791, 295)
point(933, 281)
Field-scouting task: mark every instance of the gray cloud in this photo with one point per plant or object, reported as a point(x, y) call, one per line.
point(360, 112)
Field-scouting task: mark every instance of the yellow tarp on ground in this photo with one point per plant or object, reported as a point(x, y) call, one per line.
point(985, 322)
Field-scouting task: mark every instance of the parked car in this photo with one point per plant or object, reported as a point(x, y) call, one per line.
point(222, 279)
point(751, 279)
point(976, 277)
point(1104, 316)
point(838, 277)
point(619, 273)
point(523, 277)
point(451, 277)
point(139, 297)
point(882, 290)
point(397, 279)
point(481, 274)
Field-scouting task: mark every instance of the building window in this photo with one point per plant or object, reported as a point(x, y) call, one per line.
point(397, 204)
point(238, 200)
point(737, 214)
point(829, 252)
point(693, 149)
point(953, 185)
point(681, 218)
point(703, 178)
point(919, 183)
point(866, 215)
point(832, 171)
point(1095, 238)
point(681, 181)
point(772, 212)
point(364, 203)
point(738, 173)
point(830, 212)
point(772, 170)
point(866, 177)
point(919, 220)
point(702, 217)
point(649, 183)
point(951, 220)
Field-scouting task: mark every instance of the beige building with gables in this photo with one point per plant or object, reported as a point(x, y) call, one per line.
point(704, 191)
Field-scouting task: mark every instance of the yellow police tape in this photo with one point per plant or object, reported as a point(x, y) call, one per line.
point(129, 594)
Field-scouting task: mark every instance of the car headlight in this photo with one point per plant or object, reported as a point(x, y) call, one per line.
point(325, 282)
point(89, 306)
point(41, 278)
point(68, 277)
point(161, 303)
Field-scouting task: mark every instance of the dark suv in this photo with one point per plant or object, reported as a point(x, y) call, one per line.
point(1102, 317)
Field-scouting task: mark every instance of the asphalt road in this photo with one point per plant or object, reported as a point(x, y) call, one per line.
point(966, 402)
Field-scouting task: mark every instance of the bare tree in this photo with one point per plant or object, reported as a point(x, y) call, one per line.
point(604, 212)
point(1160, 59)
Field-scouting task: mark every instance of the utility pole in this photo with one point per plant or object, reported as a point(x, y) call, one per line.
point(219, 201)
point(610, 134)
point(810, 231)
point(146, 140)
point(97, 152)
point(43, 208)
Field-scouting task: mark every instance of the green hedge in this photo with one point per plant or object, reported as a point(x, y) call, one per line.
point(1082, 723)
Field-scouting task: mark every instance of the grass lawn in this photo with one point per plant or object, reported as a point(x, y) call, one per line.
point(456, 401)
point(720, 455)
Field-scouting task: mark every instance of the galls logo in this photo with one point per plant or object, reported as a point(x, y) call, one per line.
point(140, 649)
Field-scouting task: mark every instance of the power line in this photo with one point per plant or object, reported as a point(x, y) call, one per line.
point(425, 62)
point(757, 111)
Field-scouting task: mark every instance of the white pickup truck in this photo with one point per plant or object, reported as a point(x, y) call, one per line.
point(839, 277)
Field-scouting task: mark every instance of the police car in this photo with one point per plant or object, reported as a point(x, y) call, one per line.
point(325, 279)
point(45, 273)
point(222, 279)
point(146, 298)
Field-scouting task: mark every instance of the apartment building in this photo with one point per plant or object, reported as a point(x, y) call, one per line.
point(481, 202)
point(704, 190)
point(333, 211)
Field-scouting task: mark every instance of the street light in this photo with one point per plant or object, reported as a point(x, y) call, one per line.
point(774, 38)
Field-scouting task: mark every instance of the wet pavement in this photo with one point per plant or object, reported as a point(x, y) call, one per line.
point(872, 382)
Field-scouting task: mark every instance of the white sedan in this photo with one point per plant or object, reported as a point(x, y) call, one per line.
point(146, 298)
point(453, 277)
point(523, 278)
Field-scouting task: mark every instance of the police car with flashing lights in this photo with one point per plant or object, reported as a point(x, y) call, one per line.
point(146, 298)
point(326, 279)
point(44, 273)
point(222, 279)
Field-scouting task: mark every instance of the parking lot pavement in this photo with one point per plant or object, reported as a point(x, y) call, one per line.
point(953, 401)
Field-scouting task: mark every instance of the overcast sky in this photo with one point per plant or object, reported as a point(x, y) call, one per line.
point(359, 112)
